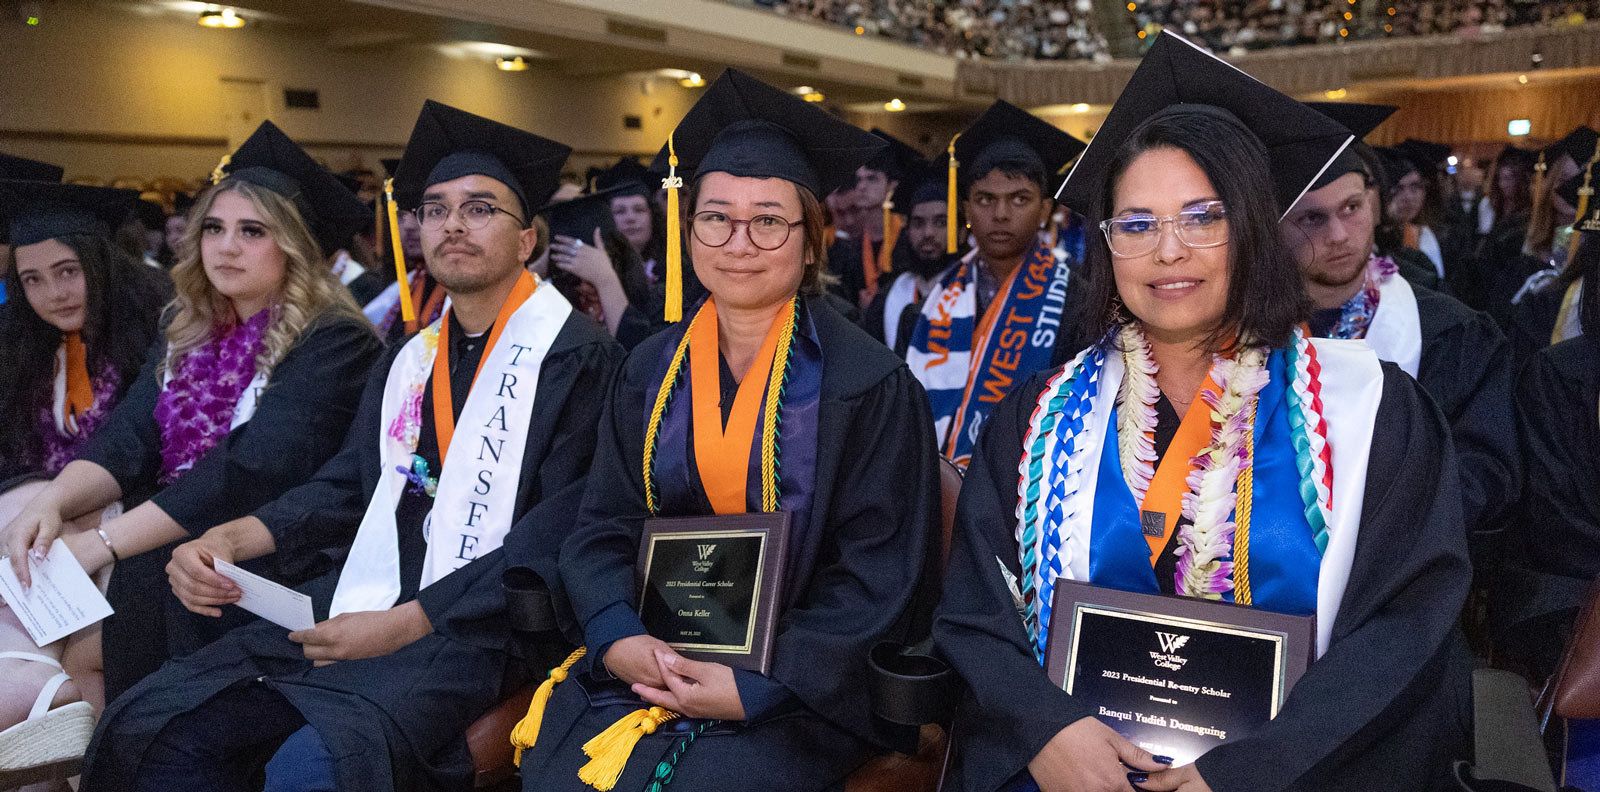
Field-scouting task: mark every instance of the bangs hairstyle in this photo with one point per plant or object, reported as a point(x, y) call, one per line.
point(309, 289)
point(814, 218)
point(1266, 297)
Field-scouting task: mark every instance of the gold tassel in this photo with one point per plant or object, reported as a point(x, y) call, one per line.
point(526, 733)
point(408, 312)
point(950, 211)
point(888, 238)
point(218, 173)
point(608, 752)
point(674, 308)
point(1538, 176)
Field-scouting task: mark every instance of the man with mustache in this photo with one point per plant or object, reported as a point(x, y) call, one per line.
point(414, 638)
point(1458, 355)
point(919, 257)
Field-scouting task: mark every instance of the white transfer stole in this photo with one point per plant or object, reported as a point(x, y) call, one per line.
point(477, 492)
point(1396, 329)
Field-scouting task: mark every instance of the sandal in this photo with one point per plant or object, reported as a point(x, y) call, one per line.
point(48, 735)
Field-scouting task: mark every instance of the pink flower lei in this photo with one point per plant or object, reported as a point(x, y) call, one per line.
point(195, 409)
point(60, 448)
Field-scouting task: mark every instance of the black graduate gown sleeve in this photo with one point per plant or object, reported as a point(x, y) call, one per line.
point(313, 524)
point(1558, 418)
point(1382, 709)
point(881, 506)
point(1466, 367)
point(299, 422)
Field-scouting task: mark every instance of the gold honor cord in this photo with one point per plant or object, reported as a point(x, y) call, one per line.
point(950, 212)
point(1241, 518)
point(408, 312)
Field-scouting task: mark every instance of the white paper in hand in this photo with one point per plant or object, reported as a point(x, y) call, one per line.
point(274, 602)
point(62, 600)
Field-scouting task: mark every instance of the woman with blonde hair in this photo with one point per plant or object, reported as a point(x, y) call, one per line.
point(249, 392)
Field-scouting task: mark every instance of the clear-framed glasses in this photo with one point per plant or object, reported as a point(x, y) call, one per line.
point(474, 214)
point(768, 232)
point(1200, 226)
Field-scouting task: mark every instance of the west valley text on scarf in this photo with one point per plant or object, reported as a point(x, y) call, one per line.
point(968, 364)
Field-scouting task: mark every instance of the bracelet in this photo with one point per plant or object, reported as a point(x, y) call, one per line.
point(112, 550)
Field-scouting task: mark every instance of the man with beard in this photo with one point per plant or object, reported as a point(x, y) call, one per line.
point(1002, 312)
point(920, 257)
point(1458, 355)
point(878, 207)
point(413, 640)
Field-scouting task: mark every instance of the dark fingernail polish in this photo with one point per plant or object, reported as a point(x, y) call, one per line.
point(1166, 760)
point(1138, 778)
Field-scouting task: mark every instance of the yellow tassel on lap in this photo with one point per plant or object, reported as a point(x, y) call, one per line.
point(610, 749)
point(526, 732)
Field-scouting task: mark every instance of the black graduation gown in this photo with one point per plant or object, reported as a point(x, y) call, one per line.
point(395, 722)
point(299, 421)
point(1385, 708)
point(1534, 319)
point(860, 577)
point(1558, 418)
point(1466, 367)
point(366, 287)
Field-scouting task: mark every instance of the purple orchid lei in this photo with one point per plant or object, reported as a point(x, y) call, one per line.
point(59, 448)
point(195, 409)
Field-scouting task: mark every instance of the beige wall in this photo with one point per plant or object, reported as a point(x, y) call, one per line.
point(109, 92)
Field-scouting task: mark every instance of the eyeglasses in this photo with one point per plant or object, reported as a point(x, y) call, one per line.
point(474, 214)
point(1200, 226)
point(768, 232)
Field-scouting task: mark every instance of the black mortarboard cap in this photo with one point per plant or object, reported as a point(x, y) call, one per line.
point(1007, 131)
point(579, 217)
point(447, 144)
point(1300, 141)
point(1579, 144)
point(1568, 190)
point(628, 176)
point(182, 202)
point(390, 165)
point(1430, 157)
point(269, 159)
point(1361, 120)
point(33, 211)
point(745, 127)
point(903, 164)
point(1516, 155)
point(31, 170)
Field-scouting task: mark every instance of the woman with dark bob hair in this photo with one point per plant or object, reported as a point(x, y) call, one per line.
point(1205, 448)
point(764, 399)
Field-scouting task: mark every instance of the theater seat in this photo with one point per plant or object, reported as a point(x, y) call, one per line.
point(488, 739)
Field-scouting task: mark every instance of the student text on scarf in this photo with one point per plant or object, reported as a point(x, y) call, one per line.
point(967, 363)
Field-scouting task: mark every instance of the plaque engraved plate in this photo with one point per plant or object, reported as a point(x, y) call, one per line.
point(1176, 676)
point(709, 586)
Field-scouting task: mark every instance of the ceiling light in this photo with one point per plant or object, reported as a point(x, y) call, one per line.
point(1522, 79)
point(692, 80)
point(894, 105)
point(1335, 93)
point(511, 64)
point(1081, 107)
point(223, 18)
point(814, 96)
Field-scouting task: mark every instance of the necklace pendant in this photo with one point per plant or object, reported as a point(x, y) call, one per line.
point(1153, 523)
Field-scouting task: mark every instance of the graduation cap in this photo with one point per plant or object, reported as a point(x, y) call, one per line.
point(1579, 144)
point(32, 170)
point(580, 217)
point(630, 176)
point(1578, 192)
point(1429, 157)
point(447, 144)
point(269, 159)
point(390, 165)
point(33, 211)
point(1004, 132)
point(901, 163)
point(744, 127)
point(1301, 143)
point(1361, 120)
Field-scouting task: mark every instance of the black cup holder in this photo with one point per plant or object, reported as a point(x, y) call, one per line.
point(909, 687)
point(528, 608)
